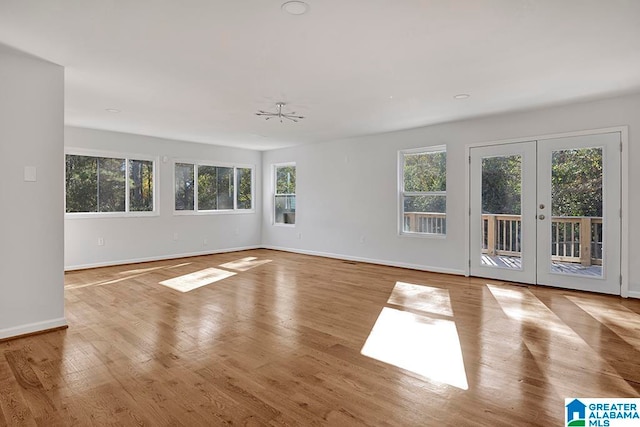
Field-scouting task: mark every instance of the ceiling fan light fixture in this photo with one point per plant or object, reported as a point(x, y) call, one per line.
point(268, 115)
point(295, 7)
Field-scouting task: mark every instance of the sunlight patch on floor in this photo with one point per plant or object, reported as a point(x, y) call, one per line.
point(130, 274)
point(549, 338)
point(425, 346)
point(618, 318)
point(245, 264)
point(146, 270)
point(419, 297)
point(192, 281)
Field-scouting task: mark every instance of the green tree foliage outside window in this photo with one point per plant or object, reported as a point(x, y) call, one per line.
point(140, 185)
point(286, 179)
point(99, 184)
point(81, 179)
point(576, 182)
point(111, 185)
point(215, 188)
point(244, 195)
point(185, 187)
point(502, 185)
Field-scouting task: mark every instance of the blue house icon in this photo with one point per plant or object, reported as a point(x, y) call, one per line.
point(575, 407)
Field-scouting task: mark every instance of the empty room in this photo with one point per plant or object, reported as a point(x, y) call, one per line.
point(340, 213)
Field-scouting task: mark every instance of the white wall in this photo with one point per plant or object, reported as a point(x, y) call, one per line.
point(347, 189)
point(146, 238)
point(31, 134)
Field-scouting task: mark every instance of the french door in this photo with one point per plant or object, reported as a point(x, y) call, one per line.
point(548, 212)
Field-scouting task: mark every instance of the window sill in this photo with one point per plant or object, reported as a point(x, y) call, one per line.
point(217, 212)
point(421, 235)
point(105, 215)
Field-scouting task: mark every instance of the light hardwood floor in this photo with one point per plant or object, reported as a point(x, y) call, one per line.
point(287, 339)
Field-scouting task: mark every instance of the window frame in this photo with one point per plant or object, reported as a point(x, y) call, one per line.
point(274, 187)
point(71, 151)
point(402, 193)
point(198, 163)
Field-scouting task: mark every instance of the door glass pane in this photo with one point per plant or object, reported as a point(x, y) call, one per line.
point(501, 212)
point(576, 206)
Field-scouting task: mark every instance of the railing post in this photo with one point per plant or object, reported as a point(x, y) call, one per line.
point(412, 221)
point(491, 234)
point(585, 241)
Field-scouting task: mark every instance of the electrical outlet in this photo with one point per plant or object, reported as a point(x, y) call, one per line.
point(100, 241)
point(205, 242)
point(299, 236)
point(363, 239)
point(175, 236)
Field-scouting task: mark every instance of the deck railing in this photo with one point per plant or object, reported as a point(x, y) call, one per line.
point(425, 222)
point(573, 239)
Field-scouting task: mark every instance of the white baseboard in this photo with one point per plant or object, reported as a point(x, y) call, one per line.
point(633, 294)
point(370, 260)
point(32, 327)
point(158, 258)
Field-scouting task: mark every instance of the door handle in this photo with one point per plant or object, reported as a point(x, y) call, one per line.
point(541, 217)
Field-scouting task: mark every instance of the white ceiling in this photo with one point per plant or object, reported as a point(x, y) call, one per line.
point(198, 70)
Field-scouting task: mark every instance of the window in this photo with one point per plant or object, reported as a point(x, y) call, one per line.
point(209, 188)
point(285, 194)
point(423, 191)
point(108, 185)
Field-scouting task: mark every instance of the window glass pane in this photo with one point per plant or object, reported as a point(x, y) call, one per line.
point(285, 209)
point(207, 188)
point(111, 185)
point(576, 179)
point(243, 179)
point(501, 221)
point(286, 180)
point(577, 226)
point(425, 171)
point(184, 187)
point(215, 188)
point(81, 183)
point(225, 188)
point(140, 186)
point(501, 185)
point(425, 214)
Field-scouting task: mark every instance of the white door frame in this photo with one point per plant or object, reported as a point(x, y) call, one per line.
point(624, 171)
